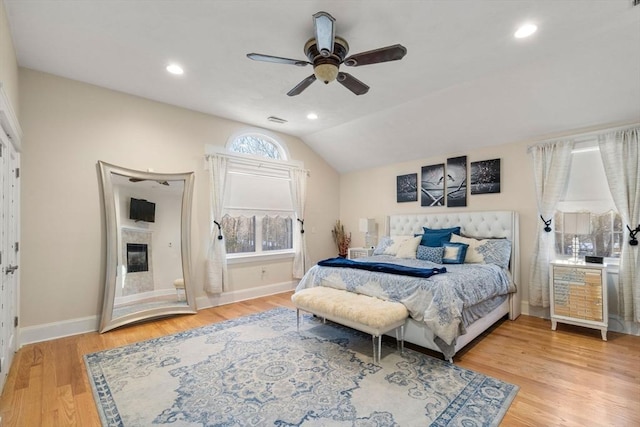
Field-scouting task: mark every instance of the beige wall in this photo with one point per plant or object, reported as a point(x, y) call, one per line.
point(68, 126)
point(8, 62)
point(372, 193)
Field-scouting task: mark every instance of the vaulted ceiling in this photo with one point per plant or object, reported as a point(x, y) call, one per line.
point(465, 81)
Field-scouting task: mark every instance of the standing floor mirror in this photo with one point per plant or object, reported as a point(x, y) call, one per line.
point(148, 218)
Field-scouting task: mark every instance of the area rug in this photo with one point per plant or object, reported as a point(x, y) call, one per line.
point(259, 371)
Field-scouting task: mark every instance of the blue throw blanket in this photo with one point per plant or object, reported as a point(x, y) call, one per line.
point(382, 267)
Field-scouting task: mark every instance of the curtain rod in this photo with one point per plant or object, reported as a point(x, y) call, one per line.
point(584, 135)
point(259, 162)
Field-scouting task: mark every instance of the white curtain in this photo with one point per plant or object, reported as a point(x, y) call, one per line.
point(551, 166)
point(217, 254)
point(298, 184)
point(621, 160)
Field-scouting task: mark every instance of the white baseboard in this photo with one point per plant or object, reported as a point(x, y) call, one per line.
point(143, 295)
point(244, 294)
point(50, 331)
point(524, 307)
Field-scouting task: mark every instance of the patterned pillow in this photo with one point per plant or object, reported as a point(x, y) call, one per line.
point(454, 253)
point(389, 245)
point(486, 251)
point(436, 237)
point(430, 253)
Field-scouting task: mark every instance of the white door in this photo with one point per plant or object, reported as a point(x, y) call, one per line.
point(9, 255)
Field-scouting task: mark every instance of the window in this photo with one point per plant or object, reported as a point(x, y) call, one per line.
point(273, 232)
point(604, 240)
point(257, 145)
point(258, 210)
point(588, 191)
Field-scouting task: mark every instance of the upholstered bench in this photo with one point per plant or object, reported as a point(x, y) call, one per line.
point(364, 313)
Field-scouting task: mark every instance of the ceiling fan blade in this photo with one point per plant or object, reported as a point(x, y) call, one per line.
point(383, 54)
point(276, 59)
point(353, 84)
point(302, 85)
point(325, 32)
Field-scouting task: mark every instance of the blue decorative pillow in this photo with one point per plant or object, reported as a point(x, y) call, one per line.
point(429, 253)
point(436, 237)
point(454, 253)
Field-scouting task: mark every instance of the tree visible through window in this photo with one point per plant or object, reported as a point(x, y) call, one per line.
point(588, 191)
point(257, 146)
point(259, 212)
point(604, 240)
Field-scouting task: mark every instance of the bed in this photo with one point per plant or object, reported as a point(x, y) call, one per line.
point(447, 310)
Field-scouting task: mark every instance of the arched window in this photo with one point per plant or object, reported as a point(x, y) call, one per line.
point(257, 144)
point(258, 212)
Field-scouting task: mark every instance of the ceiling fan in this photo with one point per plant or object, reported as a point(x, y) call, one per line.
point(326, 52)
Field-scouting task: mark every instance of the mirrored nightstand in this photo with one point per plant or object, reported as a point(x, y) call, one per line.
point(579, 295)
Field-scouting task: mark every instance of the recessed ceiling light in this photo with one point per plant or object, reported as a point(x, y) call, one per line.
point(175, 69)
point(312, 116)
point(525, 31)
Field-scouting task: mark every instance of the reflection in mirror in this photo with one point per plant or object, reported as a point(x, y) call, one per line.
point(148, 239)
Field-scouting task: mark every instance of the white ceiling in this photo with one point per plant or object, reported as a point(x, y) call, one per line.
point(465, 81)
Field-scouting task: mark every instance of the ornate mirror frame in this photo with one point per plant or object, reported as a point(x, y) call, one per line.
point(113, 224)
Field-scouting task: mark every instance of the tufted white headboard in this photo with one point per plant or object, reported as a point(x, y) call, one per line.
point(497, 224)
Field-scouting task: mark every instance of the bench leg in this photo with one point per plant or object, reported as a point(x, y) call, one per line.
point(298, 320)
point(377, 352)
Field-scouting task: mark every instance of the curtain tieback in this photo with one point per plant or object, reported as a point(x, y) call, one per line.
point(301, 221)
point(219, 230)
point(632, 233)
point(547, 223)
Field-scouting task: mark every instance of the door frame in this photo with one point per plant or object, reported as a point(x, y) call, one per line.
point(11, 135)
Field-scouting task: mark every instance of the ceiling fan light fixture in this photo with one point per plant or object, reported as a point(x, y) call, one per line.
point(326, 72)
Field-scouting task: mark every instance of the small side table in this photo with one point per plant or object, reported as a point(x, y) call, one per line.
point(359, 252)
point(579, 295)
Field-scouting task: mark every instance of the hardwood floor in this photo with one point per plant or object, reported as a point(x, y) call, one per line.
point(569, 377)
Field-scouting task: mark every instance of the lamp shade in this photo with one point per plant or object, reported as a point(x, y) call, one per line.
point(367, 225)
point(577, 222)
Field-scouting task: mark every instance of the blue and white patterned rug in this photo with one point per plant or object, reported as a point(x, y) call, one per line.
point(258, 371)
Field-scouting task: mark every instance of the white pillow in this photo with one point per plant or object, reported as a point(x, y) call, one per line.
point(472, 257)
point(408, 248)
point(389, 245)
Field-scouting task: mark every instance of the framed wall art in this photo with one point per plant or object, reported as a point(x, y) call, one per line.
point(432, 184)
point(407, 188)
point(456, 181)
point(485, 176)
